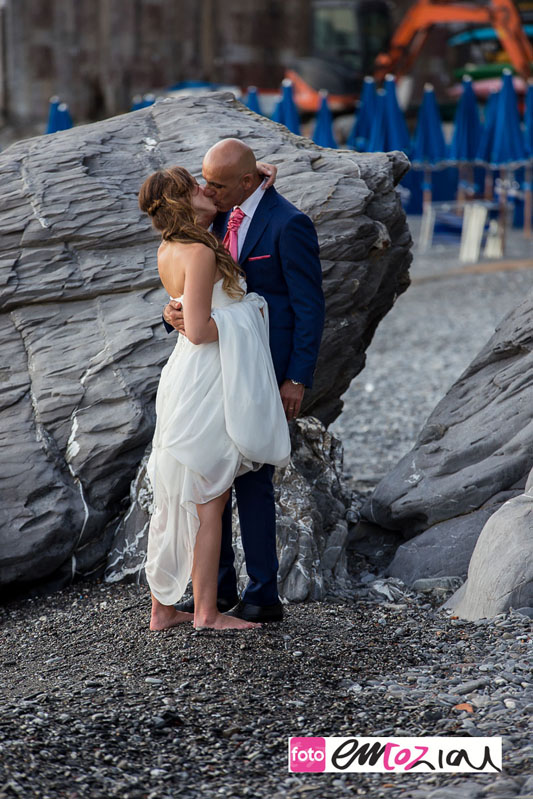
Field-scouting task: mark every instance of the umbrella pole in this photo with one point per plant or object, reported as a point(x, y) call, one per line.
point(503, 207)
point(488, 185)
point(470, 180)
point(528, 202)
point(460, 188)
point(427, 193)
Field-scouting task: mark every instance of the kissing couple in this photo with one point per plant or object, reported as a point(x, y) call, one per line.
point(241, 266)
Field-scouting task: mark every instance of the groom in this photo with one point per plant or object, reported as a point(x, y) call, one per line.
point(277, 247)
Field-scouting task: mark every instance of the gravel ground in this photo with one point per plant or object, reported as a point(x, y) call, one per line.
point(96, 705)
point(419, 350)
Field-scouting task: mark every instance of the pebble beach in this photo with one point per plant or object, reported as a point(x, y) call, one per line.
point(93, 704)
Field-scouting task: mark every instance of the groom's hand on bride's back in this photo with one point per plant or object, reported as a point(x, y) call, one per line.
point(173, 315)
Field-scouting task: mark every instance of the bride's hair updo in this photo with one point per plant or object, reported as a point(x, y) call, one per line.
point(166, 197)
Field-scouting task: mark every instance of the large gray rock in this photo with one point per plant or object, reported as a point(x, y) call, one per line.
point(476, 445)
point(443, 550)
point(81, 305)
point(314, 510)
point(500, 574)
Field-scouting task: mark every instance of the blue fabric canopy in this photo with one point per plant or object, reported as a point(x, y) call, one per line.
point(429, 147)
point(323, 133)
point(360, 133)
point(389, 128)
point(286, 112)
point(277, 116)
point(486, 140)
point(377, 140)
point(467, 128)
point(508, 148)
point(63, 120)
point(252, 100)
point(528, 122)
point(139, 102)
point(53, 119)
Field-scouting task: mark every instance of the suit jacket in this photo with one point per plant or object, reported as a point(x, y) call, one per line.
point(280, 258)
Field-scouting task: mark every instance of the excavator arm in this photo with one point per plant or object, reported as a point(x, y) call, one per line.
point(410, 36)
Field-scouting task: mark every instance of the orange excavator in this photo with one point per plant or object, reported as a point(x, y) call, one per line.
point(410, 36)
point(353, 38)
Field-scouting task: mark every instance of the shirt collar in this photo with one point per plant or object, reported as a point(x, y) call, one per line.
point(249, 206)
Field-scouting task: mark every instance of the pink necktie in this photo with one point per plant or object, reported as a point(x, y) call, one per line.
point(231, 241)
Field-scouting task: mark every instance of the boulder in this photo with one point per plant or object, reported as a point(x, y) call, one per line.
point(474, 451)
point(80, 307)
point(314, 511)
point(500, 574)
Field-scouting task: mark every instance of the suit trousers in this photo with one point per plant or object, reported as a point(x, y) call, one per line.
point(257, 514)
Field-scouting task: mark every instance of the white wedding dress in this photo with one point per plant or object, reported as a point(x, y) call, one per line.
point(219, 415)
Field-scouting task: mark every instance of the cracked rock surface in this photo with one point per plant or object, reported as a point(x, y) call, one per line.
point(472, 456)
point(80, 308)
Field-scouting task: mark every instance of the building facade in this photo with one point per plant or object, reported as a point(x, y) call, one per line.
point(97, 54)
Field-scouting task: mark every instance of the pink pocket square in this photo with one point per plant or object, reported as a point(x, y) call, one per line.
point(259, 257)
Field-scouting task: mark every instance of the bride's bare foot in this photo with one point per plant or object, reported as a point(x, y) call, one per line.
point(223, 622)
point(165, 616)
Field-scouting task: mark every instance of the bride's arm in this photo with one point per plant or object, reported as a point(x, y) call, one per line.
point(200, 327)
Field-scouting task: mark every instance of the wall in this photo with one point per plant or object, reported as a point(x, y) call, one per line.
point(96, 54)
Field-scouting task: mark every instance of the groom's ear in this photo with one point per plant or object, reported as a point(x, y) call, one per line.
point(248, 180)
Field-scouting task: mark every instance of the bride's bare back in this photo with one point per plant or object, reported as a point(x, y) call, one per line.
point(189, 271)
point(173, 258)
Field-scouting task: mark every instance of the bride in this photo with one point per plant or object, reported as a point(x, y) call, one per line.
point(219, 412)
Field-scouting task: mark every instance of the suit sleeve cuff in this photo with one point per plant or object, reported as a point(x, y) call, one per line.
point(168, 327)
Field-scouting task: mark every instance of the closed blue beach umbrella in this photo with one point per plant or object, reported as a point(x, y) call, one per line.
point(360, 133)
point(51, 126)
point(467, 127)
point(465, 139)
point(528, 178)
point(429, 148)
point(389, 128)
point(528, 121)
point(137, 103)
point(142, 101)
point(277, 116)
point(508, 149)
point(64, 120)
point(486, 139)
point(323, 133)
point(291, 119)
point(377, 140)
point(398, 132)
point(252, 100)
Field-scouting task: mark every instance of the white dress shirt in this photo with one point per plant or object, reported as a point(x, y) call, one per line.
point(248, 207)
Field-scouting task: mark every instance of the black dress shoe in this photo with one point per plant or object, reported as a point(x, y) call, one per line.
point(222, 604)
point(262, 613)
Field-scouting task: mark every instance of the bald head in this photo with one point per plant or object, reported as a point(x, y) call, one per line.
point(230, 172)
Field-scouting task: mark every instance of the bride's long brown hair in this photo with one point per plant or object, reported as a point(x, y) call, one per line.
point(166, 197)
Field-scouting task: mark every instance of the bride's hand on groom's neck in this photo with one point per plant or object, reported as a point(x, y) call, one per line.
point(268, 171)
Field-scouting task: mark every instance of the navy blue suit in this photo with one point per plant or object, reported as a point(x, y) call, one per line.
point(281, 262)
